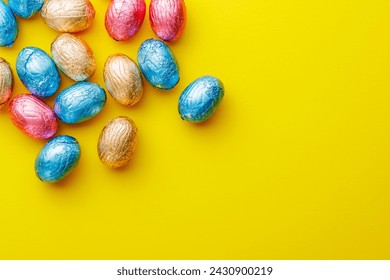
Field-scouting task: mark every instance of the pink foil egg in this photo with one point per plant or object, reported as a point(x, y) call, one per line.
point(33, 117)
point(124, 18)
point(167, 18)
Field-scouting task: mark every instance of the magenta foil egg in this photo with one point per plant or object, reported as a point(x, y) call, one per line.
point(167, 18)
point(124, 18)
point(33, 117)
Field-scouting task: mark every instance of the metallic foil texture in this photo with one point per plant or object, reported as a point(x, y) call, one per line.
point(25, 8)
point(9, 28)
point(158, 64)
point(37, 72)
point(167, 18)
point(123, 79)
point(6, 82)
point(200, 99)
point(33, 117)
point(73, 56)
point(68, 15)
point(79, 102)
point(117, 142)
point(124, 18)
point(57, 159)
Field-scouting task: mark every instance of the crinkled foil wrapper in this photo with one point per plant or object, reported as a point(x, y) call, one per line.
point(73, 56)
point(200, 99)
point(167, 18)
point(124, 18)
point(57, 159)
point(9, 27)
point(123, 79)
point(38, 72)
point(33, 117)
point(158, 64)
point(68, 15)
point(6, 82)
point(80, 102)
point(25, 8)
point(117, 142)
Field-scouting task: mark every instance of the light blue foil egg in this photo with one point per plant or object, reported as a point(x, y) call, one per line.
point(25, 8)
point(57, 159)
point(158, 64)
point(37, 72)
point(80, 102)
point(200, 99)
point(8, 26)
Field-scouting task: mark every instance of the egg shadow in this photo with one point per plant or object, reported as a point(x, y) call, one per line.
point(66, 182)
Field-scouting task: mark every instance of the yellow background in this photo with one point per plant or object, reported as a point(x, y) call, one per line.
point(294, 164)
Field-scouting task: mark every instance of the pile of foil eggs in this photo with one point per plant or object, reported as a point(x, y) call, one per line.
point(38, 71)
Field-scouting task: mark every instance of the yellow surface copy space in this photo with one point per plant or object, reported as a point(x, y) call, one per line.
point(293, 165)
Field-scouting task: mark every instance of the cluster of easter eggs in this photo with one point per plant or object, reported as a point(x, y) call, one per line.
point(38, 71)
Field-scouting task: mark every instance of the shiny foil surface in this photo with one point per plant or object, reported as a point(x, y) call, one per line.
point(9, 27)
point(73, 56)
point(124, 18)
point(200, 99)
point(25, 8)
point(167, 18)
point(33, 117)
point(37, 71)
point(57, 159)
point(68, 15)
point(117, 142)
point(79, 102)
point(6, 82)
point(123, 79)
point(158, 64)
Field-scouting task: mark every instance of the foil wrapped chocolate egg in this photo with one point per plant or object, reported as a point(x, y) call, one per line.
point(158, 64)
point(37, 72)
point(6, 82)
point(124, 18)
point(167, 18)
point(123, 79)
point(79, 102)
point(200, 99)
point(25, 8)
point(9, 28)
point(117, 142)
point(33, 117)
point(68, 15)
point(57, 159)
point(73, 56)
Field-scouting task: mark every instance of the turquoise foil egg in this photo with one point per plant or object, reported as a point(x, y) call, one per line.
point(9, 28)
point(37, 72)
point(158, 64)
point(57, 159)
point(200, 99)
point(80, 102)
point(25, 8)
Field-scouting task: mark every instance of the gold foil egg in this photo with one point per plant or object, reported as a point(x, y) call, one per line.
point(123, 79)
point(117, 142)
point(73, 56)
point(68, 15)
point(6, 82)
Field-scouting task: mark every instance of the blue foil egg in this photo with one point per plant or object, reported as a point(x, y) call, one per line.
point(80, 102)
point(37, 72)
point(201, 99)
point(57, 159)
point(158, 64)
point(25, 8)
point(9, 28)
